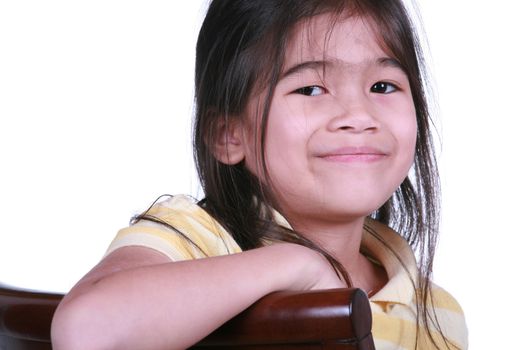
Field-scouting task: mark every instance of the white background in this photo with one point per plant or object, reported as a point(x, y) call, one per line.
point(95, 108)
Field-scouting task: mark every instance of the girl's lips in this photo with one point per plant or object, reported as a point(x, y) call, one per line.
point(353, 154)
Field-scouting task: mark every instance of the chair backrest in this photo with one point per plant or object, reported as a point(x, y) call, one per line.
point(328, 319)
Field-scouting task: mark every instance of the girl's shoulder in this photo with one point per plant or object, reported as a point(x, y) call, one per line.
point(179, 228)
point(177, 206)
point(450, 316)
point(443, 299)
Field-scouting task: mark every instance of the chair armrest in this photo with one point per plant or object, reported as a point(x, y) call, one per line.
point(335, 318)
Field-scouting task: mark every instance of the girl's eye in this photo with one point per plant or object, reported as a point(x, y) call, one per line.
point(383, 88)
point(313, 90)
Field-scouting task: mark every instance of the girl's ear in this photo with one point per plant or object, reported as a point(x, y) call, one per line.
point(229, 144)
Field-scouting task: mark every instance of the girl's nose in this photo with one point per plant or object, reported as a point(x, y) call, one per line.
point(354, 118)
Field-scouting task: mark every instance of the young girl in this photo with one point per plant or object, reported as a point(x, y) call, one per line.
point(312, 144)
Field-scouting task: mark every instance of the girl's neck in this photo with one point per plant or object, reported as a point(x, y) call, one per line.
point(342, 240)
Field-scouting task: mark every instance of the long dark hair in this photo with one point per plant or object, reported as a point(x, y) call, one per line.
point(240, 52)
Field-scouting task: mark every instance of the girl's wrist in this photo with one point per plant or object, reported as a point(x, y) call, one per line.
point(299, 268)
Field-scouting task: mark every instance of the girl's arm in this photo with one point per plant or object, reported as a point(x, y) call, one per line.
point(137, 299)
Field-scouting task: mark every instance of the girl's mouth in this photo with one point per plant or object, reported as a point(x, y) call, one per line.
point(354, 154)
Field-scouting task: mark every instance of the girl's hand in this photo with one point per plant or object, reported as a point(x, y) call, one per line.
point(316, 273)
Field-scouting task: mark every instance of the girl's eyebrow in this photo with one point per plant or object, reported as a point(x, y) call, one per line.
point(315, 65)
point(389, 62)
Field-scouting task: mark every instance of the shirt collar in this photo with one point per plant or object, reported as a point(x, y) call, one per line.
point(380, 241)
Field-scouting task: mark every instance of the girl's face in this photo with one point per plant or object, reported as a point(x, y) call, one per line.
point(341, 130)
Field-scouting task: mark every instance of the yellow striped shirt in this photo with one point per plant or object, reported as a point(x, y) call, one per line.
point(393, 307)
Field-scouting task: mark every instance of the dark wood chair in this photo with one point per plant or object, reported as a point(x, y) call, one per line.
point(328, 319)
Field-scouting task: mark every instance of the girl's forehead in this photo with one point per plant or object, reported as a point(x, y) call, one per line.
point(326, 37)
